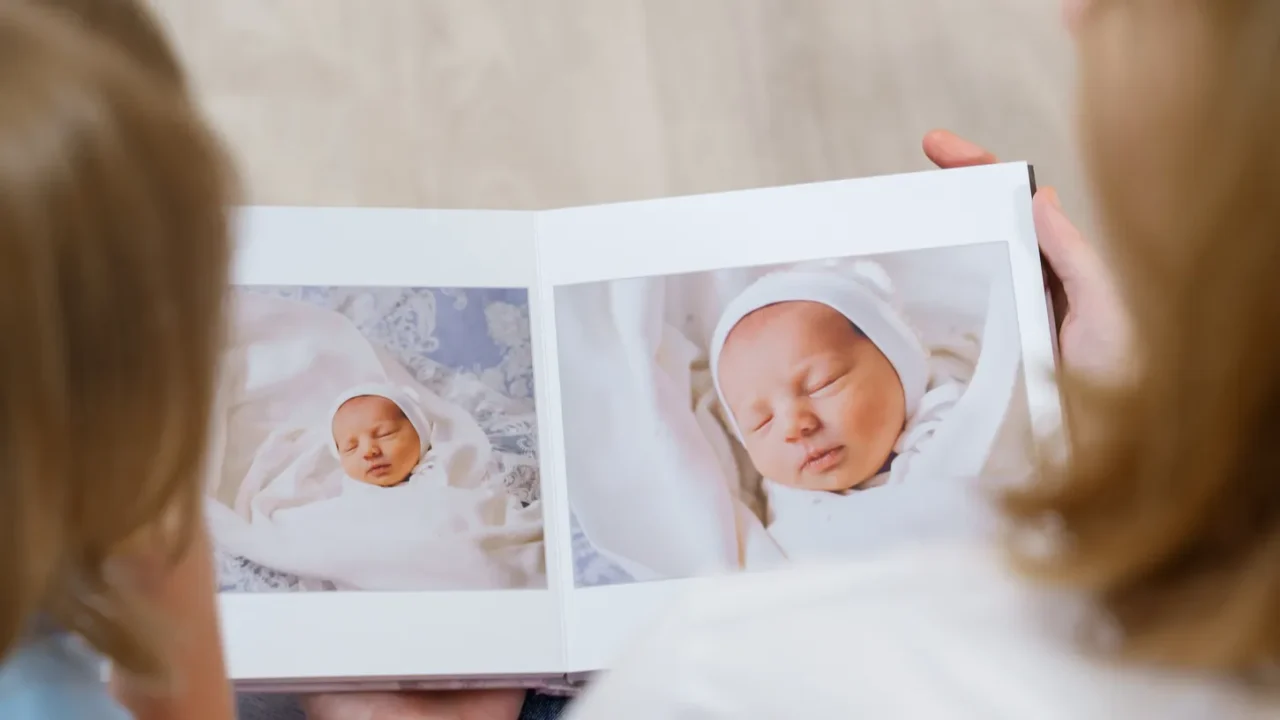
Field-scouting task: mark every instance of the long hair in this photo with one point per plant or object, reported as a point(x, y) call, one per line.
point(1168, 509)
point(128, 24)
point(114, 250)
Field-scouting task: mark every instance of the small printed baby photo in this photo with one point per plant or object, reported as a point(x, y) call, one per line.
point(376, 439)
point(744, 418)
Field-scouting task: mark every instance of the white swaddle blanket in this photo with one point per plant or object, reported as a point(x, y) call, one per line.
point(279, 496)
point(651, 474)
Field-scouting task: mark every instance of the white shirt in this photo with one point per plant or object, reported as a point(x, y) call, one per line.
point(931, 632)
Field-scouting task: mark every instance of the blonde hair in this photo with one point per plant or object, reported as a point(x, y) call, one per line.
point(114, 252)
point(128, 24)
point(1169, 510)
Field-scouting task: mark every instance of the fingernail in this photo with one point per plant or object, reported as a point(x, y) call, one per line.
point(968, 145)
point(1072, 11)
point(1051, 195)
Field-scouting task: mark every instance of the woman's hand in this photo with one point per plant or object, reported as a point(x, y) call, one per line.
point(185, 593)
point(1093, 332)
point(461, 705)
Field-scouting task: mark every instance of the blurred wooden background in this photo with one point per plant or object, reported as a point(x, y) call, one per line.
point(534, 104)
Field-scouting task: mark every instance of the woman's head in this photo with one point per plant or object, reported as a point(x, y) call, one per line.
point(114, 251)
point(1170, 511)
point(128, 24)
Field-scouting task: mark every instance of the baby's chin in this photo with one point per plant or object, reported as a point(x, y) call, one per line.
point(381, 482)
point(834, 482)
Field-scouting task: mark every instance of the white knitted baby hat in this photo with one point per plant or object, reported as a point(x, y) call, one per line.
point(861, 291)
point(404, 397)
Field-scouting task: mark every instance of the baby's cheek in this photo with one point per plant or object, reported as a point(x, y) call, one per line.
point(408, 449)
point(764, 456)
point(871, 412)
point(350, 467)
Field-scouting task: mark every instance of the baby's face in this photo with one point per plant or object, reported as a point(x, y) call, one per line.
point(376, 442)
point(819, 406)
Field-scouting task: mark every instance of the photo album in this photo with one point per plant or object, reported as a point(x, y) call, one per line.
point(486, 448)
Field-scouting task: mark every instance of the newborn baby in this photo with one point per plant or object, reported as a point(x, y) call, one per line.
point(380, 434)
point(819, 375)
point(394, 519)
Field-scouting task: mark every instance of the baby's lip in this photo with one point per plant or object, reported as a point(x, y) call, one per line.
point(822, 459)
point(378, 467)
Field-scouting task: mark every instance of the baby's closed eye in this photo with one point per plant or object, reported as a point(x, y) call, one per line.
point(823, 382)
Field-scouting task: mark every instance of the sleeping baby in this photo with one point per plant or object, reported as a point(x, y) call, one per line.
point(824, 382)
point(380, 434)
point(818, 374)
point(398, 521)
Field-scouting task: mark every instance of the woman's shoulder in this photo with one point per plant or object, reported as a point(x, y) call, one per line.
point(929, 631)
point(55, 677)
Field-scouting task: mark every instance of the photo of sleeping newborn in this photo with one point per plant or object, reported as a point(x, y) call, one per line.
point(377, 439)
point(813, 410)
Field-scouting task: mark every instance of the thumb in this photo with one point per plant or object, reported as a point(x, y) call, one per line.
point(1066, 250)
point(1073, 12)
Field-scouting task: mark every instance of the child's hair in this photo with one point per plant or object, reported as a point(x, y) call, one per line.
point(1169, 513)
point(128, 24)
point(114, 249)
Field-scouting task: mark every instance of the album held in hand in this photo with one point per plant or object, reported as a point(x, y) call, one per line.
point(473, 448)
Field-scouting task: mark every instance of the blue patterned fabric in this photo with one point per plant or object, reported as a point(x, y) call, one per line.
point(481, 331)
point(590, 568)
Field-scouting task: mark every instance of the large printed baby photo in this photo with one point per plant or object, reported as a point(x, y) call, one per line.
point(377, 439)
point(745, 418)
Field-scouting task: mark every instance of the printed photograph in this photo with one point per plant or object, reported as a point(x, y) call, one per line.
point(376, 439)
point(747, 418)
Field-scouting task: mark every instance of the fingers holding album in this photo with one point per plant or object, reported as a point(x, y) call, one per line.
point(1094, 331)
point(377, 439)
point(1093, 326)
point(742, 418)
point(948, 150)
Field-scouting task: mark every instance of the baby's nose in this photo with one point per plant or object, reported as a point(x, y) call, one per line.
point(801, 422)
point(372, 450)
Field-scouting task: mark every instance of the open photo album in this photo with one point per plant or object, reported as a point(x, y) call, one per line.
point(485, 448)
